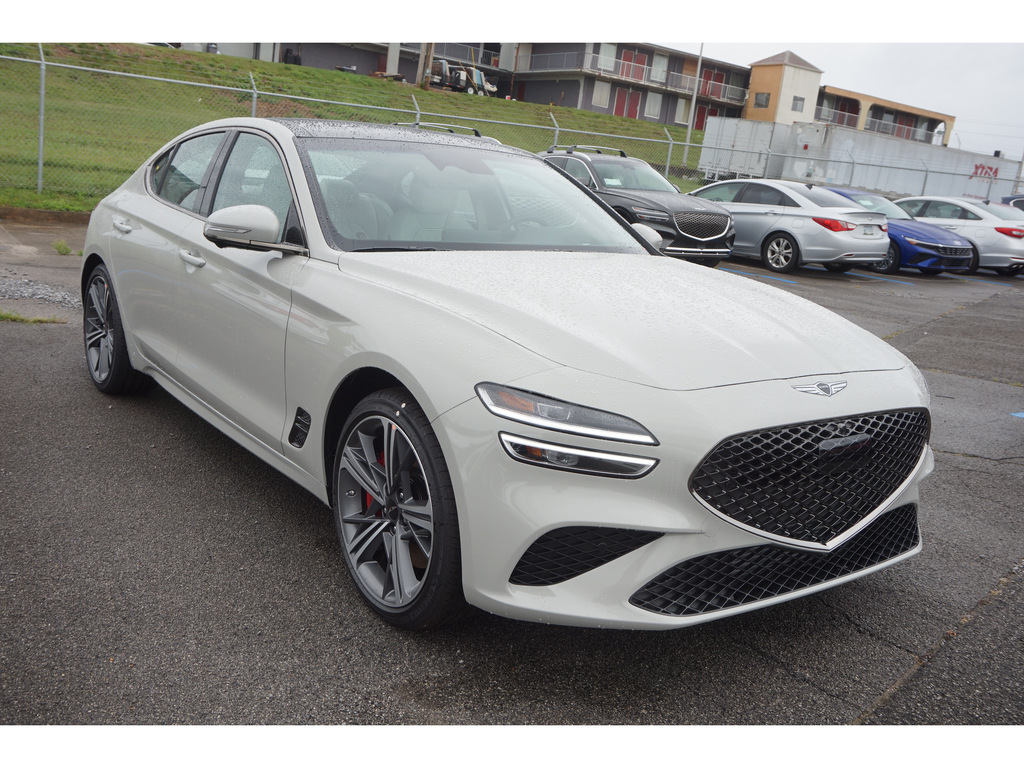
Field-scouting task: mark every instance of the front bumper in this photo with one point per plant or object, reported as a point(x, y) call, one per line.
point(558, 547)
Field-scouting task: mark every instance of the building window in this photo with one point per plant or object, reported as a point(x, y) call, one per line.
point(682, 111)
point(761, 100)
point(659, 68)
point(653, 106)
point(606, 59)
point(798, 103)
point(602, 93)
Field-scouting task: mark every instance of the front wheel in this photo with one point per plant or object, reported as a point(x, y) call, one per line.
point(780, 253)
point(394, 509)
point(890, 265)
point(106, 351)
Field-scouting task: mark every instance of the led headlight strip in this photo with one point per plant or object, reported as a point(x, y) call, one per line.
point(561, 416)
point(571, 459)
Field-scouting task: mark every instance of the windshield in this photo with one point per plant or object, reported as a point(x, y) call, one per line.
point(388, 195)
point(1007, 212)
point(879, 204)
point(630, 174)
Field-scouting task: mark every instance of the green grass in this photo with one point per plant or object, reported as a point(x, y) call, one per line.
point(99, 128)
point(14, 317)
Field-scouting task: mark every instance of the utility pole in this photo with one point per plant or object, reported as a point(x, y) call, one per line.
point(424, 67)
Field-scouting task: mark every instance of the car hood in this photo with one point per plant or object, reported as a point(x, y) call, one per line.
point(655, 321)
point(673, 202)
point(927, 232)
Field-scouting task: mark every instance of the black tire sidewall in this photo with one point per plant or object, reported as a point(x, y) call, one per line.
point(122, 379)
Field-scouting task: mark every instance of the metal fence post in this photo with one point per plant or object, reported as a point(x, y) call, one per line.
point(557, 129)
point(254, 96)
point(668, 161)
point(42, 117)
point(417, 105)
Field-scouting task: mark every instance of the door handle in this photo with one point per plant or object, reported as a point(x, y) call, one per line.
point(121, 225)
point(188, 258)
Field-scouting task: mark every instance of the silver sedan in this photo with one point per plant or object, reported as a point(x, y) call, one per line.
point(786, 224)
point(995, 230)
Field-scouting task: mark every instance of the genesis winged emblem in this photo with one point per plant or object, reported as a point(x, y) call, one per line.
point(826, 389)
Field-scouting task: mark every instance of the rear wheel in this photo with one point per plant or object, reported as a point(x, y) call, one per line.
point(395, 513)
point(779, 253)
point(106, 351)
point(890, 265)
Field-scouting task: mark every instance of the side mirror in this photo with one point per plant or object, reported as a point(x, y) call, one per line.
point(253, 227)
point(649, 234)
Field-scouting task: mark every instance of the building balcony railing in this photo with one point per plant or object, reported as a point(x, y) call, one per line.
point(900, 131)
point(459, 52)
point(833, 117)
point(621, 69)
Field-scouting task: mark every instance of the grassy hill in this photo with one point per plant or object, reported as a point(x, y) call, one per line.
point(100, 127)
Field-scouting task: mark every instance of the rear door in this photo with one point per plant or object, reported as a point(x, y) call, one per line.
point(757, 210)
point(144, 243)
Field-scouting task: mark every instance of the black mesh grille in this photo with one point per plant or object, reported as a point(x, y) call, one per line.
point(701, 225)
point(947, 250)
point(811, 482)
point(561, 554)
point(742, 576)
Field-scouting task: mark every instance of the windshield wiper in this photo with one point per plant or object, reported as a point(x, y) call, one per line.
point(379, 248)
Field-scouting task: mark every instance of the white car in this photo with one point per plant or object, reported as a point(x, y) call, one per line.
point(995, 230)
point(786, 224)
point(508, 397)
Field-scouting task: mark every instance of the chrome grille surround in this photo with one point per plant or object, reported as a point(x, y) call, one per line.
point(701, 225)
point(815, 484)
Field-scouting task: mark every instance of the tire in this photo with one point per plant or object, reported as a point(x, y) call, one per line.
point(780, 253)
point(1008, 271)
point(838, 267)
point(471, 90)
point(972, 268)
point(394, 510)
point(890, 265)
point(106, 352)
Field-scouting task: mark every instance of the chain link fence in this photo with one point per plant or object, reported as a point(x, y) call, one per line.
point(81, 130)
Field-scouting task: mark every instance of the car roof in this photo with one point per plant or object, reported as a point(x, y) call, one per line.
point(307, 128)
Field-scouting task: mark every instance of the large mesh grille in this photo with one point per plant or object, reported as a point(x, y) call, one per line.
point(742, 576)
point(701, 225)
point(561, 554)
point(948, 250)
point(811, 482)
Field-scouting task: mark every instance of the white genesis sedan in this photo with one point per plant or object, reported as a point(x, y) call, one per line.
point(509, 398)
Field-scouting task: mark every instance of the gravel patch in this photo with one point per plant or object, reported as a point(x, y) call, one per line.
point(23, 288)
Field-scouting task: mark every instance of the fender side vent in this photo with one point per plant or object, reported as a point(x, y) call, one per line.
point(300, 429)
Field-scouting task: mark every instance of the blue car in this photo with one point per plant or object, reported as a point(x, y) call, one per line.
point(913, 243)
point(1017, 201)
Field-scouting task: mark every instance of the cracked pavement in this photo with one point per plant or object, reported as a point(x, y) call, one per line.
point(154, 572)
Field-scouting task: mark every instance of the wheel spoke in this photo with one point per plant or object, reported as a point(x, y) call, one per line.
point(372, 536)
point(362, 472)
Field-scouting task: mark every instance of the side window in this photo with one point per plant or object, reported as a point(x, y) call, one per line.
point(178, 176)
point(254, 175)
point(579, 171)
point(558, 162)
point(723, 193)
point(913, 207)
point(940, 210)
point(760, 194)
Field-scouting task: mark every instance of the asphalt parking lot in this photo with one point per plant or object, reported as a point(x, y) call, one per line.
point(153, 572)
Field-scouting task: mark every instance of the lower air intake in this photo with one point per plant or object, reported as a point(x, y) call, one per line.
point(742, 576)
point(561, 554)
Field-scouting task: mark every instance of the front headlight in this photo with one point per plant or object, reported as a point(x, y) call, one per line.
point(649, 214)
point(573, 459)
point(559, 415)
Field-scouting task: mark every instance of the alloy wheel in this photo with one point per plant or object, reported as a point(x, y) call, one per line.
point(99, 346)
point(386, 513)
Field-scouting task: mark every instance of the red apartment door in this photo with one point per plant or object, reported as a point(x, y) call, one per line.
point(703, 113)
point(627, 102)
point(633, 65)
